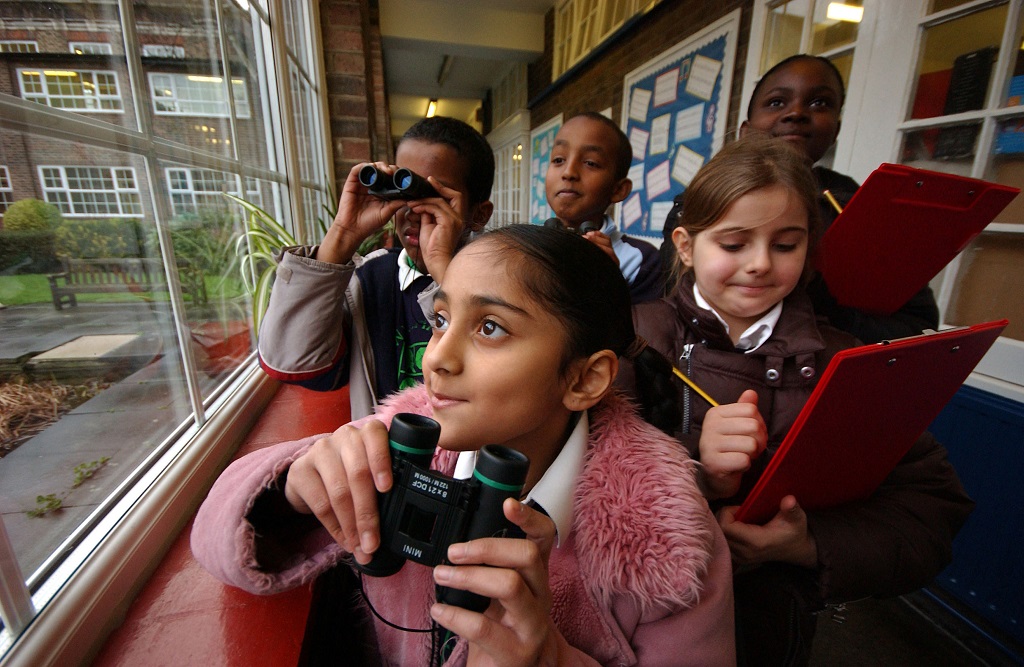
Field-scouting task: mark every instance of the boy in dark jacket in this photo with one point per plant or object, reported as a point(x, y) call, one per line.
point(323, 329)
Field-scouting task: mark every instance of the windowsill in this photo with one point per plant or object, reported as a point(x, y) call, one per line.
point(184, 616)
point(72, 627)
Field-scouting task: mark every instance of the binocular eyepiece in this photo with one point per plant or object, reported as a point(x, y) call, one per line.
point(403, 184)
point(586, 226)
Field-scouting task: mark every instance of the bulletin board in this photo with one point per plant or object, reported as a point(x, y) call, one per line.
point(674, 111)
point(542, 138)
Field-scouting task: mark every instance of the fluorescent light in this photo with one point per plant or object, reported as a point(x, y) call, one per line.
point(58, 72)
point(839, 11)
point(431, 108)
point(205, 79)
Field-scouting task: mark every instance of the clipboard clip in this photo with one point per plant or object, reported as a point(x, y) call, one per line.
point(924, 332)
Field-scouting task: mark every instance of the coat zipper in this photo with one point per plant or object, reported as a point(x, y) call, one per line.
point(687, 352)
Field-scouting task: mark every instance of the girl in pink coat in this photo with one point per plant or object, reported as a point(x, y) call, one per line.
point(622, 562)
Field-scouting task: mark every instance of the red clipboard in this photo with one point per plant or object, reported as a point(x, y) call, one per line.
point(900, 228)
point(869, 407)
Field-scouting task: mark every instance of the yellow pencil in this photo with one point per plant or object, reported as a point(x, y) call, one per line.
point(832, 200)
point(694, 386)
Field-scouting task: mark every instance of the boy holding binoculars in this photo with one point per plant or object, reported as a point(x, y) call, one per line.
point(336, 318)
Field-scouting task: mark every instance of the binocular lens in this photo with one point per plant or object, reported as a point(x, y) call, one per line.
point(403, 179)
point(368, 175)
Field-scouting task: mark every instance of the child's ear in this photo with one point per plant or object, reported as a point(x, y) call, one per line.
point(683, 242)
point(590, 379)
point(622, 190)
point(481, 213)
point(744, 126)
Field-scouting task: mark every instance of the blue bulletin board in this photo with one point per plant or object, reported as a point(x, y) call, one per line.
point(542, 138)
point(674, 111)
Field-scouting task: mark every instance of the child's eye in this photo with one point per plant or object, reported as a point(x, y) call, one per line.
point(440, 323)
point(785, 247)
point(491, 329)
point(775, 103)
point(821, 103)
point(731, 247)
point(592, 164)
point(557, 160)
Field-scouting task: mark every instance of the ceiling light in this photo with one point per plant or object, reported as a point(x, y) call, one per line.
point(839, 11)
point(431, 108)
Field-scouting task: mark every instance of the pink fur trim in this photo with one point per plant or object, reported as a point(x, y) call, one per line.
point(643, 528)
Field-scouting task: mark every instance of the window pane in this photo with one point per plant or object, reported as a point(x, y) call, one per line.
point(92, 358)
point(782, 32)
point(835, 25)
point(80, 67)
point(939, 5)
point(989, 283)
point(956, 62)
point(1007, 166)
point(949, 149)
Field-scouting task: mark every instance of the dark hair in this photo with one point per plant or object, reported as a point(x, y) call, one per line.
point(584, 289)
point(624, 149)
point(750, 163)
point(800, 56)
point(476, 154)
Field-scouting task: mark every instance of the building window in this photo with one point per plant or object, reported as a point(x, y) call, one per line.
point(581, 25)
point(195, 189)
point(90, 48)
point(75, 90)
point(18, 46)
point(196, 95)
point(6, 191)
point(163, 51)
point(92, 191)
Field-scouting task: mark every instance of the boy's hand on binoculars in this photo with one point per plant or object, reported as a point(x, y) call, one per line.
point(786, 538)
point(360, 214)
point(337, 479)
point(733, 435)
point(441, 226)
point(517, 628)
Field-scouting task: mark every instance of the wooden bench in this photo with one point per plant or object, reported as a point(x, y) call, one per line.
point(116, 275)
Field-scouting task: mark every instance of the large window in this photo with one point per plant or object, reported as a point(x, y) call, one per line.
point(134, 369)
point(197, 95)
point(581, 25)
point(6, 191)
point(192, 190)
point(80, 90)
point(92, 191)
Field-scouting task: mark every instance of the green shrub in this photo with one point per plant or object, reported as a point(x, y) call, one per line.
point(91, 239)
point(27, 252)
point(204, 239)
point(31, 215)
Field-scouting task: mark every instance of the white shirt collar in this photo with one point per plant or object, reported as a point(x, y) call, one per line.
point(554, 492)
point(756, 334)
point(407, 273)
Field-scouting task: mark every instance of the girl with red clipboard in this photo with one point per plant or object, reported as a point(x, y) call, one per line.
point(739, 328)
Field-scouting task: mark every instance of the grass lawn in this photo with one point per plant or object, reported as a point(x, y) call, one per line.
point(29, 288)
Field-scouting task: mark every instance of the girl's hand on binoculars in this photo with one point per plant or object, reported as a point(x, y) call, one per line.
point(516, 629)
point(441, 226)
point(337, 479)
point(360, 214)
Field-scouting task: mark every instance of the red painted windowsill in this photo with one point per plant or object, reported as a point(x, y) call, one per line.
point(183, 616)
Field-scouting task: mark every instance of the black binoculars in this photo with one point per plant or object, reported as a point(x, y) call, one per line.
point(403, 184)
point(425, 512)
point(586, 226)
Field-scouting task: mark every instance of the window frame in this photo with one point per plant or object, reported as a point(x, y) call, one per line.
point(19, 42)
point(242, 107)
point(97, 96)
point(6, 189)
point(67, 203)
point(193, 175)
point(92, 48)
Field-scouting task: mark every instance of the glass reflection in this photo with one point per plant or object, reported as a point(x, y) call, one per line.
point(90, 362)
point(950, 149)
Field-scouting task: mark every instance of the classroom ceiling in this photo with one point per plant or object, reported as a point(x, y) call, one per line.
point(454, 51)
